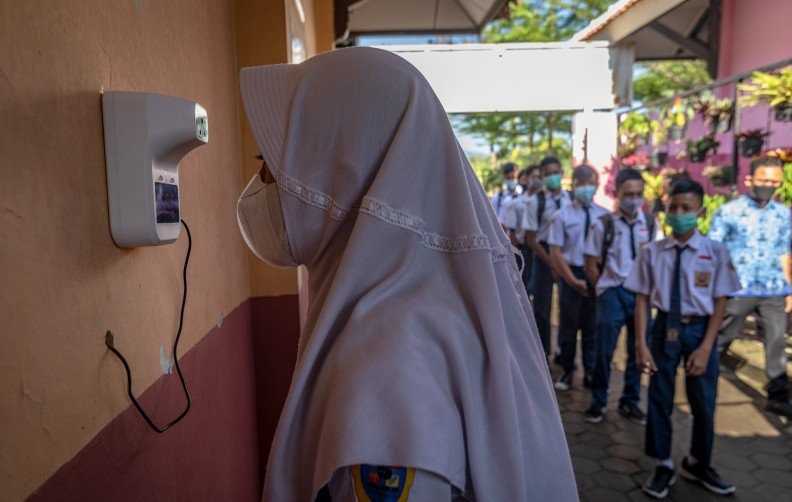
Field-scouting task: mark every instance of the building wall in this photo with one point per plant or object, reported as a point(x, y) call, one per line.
point(63, 403)
point(754, 33)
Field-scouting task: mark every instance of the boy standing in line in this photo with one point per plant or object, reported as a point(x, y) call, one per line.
point(538, 214)
point(612, 246)
point(688, 278)
point(567, 237)
point(530, 181)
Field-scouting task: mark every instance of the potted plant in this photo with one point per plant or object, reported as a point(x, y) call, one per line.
point(751, 142)
point(634, 130)
point(719, 175)
point(717, 113)
point(676, 118)
point(698, 150)
point(775, 89)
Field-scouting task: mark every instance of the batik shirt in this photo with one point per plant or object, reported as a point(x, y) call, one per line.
point(757, 238)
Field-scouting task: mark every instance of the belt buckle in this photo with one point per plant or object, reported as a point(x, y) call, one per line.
point(672, 335)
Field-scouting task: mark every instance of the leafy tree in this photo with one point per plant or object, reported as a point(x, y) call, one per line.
point(544, 20)
point(663, 79)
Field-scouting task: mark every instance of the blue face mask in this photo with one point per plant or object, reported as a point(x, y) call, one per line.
point(682, 223)
point(584, 194)
point(553, 182)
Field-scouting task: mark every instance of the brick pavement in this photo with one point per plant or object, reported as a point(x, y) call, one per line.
point(752, 449)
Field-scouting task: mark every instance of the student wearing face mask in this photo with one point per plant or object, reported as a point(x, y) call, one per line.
point(611, 248)
point(756, 230)
point(419, 374)
point(567, 238)
point(539, 211)
point(688, 279)
point(530, 181)
point(508, 190)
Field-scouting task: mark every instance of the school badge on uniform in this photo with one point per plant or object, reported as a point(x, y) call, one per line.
point(702, 279)
point(378, 483)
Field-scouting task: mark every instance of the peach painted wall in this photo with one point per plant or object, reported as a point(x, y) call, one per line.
point(65, 282)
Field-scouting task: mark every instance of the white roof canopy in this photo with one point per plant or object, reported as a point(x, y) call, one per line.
point(420, 16)
point(658, 29)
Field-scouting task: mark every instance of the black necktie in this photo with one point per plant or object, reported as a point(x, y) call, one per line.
point(588, 222)
point(632, 236)
point(557, 202)
point(675, 313)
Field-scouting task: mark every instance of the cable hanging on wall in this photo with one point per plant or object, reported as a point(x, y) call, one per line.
point(110, 345)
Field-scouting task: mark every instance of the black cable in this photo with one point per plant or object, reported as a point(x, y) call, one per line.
point(109, 343)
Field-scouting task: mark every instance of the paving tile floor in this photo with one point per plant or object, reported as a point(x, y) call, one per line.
point(753, 449)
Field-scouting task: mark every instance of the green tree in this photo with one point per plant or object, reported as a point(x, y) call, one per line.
point(663, 79)
point(544, 20)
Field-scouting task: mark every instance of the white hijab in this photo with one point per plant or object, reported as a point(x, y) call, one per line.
point(419, 347)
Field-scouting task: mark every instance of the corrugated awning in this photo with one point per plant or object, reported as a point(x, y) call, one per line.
point(369, 17)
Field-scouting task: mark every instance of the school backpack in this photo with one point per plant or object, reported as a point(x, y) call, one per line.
point(609, 233)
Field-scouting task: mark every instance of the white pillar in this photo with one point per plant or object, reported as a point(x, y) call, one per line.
point(594, 141)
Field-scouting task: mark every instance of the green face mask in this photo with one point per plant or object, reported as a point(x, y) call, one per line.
point(553, 182)
point(682, 223)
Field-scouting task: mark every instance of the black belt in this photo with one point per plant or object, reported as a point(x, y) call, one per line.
point(686, 319)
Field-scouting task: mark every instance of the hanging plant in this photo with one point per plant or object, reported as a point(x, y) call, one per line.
point(698, 150)
point(774, 89)
point(659, 132)
point(717, 113)
point(676, 118)
point(719, 175)
point(634, 131)
point(751, 142)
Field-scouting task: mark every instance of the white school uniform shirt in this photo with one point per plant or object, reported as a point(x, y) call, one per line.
point(513, 214)
point(620, 257)
point(500, 201)
point(553, 203)
point(568, 230)
point(707, 274)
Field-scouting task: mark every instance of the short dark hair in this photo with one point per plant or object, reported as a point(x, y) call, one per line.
point(627, 174)
point(549, 160)
point(528, 170)
point(508, 167)
point(688, 185)
point(584, 172)
point(766, 162)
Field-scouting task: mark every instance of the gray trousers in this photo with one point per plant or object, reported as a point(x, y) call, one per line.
point(773, 319)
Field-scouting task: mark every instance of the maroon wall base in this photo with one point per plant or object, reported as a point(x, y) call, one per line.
point(238, 376)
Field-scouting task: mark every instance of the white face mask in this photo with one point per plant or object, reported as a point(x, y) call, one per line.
point(260, 218)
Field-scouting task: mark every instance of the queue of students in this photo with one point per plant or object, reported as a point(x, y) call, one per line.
point(614, 268)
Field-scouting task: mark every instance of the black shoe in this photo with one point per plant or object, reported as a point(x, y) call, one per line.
point(707, 477)
point(594, 415)
point(657, 486)
point(783, 408)
point(565, 382)
point(588, 381)
point(632, 412)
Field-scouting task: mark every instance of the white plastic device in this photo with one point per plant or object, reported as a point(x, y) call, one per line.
point(146, 136)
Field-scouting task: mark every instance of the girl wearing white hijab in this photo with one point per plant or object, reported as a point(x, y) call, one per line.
point(420, 376)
